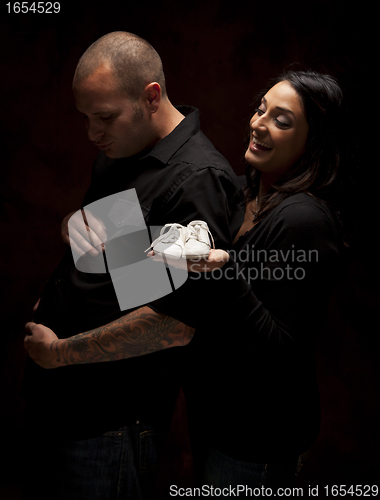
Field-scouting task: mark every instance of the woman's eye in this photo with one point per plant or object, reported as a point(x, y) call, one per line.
point(279, 120)
point(281, 123)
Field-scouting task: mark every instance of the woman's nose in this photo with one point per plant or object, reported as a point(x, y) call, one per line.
point(259, 123)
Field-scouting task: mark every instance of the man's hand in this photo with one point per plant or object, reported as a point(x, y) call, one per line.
point(85, 235)
point(38, 342)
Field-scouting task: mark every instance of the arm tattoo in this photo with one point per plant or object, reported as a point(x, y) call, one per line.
point(140, 332)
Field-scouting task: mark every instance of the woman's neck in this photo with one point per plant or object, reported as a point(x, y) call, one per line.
point(266, 183)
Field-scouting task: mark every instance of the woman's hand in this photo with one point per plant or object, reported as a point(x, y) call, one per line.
point(84, 236)
point(215, 260)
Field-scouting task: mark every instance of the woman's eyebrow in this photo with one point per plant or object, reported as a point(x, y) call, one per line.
point(286, 110)
point(281, 108)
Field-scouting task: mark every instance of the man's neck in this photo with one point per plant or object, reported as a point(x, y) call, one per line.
point(168, 119)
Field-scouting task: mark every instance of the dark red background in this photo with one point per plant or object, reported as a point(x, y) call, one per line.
point(216, 56)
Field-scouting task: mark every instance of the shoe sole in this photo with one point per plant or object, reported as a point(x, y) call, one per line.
point(168, 256)
point(188, 257)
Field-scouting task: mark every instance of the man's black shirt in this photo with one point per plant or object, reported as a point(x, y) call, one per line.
point(183, 178)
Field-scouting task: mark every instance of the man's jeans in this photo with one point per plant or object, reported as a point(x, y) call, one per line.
point(224, 472)
point(117, 465)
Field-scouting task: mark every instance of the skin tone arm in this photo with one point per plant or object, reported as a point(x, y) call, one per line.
point(140, 332)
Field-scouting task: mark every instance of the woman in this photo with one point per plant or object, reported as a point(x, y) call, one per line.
point(251, 386)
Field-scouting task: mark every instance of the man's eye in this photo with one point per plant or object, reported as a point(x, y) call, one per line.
point(106, 118)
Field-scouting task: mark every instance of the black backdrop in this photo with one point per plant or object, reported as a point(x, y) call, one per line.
point(217, 56)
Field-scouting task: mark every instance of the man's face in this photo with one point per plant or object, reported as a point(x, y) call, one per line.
point(117, 125)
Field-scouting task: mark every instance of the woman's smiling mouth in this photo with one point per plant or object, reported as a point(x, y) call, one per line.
point(257, 145)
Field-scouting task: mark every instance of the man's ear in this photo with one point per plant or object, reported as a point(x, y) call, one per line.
point(152, 96)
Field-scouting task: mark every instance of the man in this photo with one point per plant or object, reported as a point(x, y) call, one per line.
point(100, 426)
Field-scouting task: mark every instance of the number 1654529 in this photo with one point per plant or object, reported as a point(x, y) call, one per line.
point(33, 7)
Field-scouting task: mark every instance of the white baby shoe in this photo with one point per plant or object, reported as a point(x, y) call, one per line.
point(171, 242)
point(198, 242)
point(189, 242)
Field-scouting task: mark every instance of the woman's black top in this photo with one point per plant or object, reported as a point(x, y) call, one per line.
point(250, 375)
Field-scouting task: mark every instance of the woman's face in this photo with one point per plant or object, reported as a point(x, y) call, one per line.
point(278, 132)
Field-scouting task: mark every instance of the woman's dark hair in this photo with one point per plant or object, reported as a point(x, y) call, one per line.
point(319, 170)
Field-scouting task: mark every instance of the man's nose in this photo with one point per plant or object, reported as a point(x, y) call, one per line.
point(94, 131)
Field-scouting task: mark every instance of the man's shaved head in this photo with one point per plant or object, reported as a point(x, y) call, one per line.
point(132, 59)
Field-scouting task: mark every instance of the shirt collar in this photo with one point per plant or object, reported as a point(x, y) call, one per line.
point(170, 144)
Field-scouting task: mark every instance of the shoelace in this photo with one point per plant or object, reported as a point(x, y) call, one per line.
point(194, 233)
point(170, 236)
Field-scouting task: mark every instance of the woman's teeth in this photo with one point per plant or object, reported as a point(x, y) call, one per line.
point(260, 143)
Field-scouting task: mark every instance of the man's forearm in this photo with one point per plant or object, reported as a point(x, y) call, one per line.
point(140, 332)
